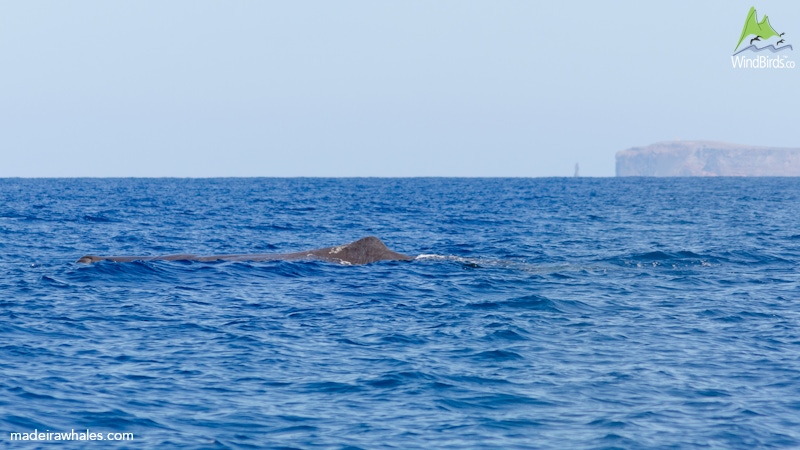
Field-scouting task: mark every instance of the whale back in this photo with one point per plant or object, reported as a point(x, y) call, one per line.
point(362, 251)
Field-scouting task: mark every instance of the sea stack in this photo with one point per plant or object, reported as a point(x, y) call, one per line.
point(707, 159)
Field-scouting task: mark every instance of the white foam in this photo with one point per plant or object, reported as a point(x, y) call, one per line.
point(430, 256)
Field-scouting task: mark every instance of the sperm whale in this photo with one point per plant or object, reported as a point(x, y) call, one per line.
point(363, 251)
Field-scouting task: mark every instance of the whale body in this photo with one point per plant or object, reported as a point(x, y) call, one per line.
point(362, 251)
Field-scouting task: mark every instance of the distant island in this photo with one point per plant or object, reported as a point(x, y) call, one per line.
point(707, 159)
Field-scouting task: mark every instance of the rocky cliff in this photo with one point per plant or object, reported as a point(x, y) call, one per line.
point(707, 159)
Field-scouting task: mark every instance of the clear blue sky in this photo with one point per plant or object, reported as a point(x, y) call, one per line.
point(377, 88)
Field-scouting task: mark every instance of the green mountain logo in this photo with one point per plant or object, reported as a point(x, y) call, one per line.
point(756, 31)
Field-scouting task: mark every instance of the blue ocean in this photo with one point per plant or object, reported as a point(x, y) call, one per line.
point(540, 314)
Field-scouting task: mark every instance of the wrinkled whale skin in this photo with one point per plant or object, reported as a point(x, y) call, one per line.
point(363, 251)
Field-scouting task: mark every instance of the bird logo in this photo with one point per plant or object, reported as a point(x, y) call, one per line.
point(760, 34)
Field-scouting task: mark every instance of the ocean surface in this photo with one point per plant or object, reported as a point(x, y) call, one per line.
point(542, 313)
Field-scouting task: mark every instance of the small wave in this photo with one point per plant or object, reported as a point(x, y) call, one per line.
point(751, 257)
point(391, 380)
point(402, 339)
point(664, 256)
point(678, 259)
point(272, 227)
point(497, 355)
point(529, 302)
point(494, 401)
point(505, 335)
point(54, 282)
point(330, 387)
point(99, 219)
point(534, 302)
point(117, 418)
point(521, 265)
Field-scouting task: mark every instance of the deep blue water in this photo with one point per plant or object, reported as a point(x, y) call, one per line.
point(546, 313)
